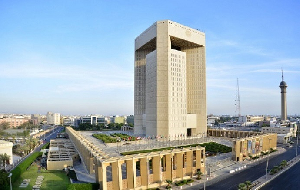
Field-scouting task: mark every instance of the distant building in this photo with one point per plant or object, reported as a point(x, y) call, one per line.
point(14, 121)
point(130, 119)
point(53, 118)
point(90, 119)
point(211, 121)
point(249, 120)
point(36, 119)
point(68, 121)
point(285, 133)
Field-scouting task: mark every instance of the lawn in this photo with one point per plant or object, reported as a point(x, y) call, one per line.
point(57, 180)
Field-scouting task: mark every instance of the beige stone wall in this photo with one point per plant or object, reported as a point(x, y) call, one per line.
point(175, 80)
point(253, 146)
point(142, 171)
point(59, 165)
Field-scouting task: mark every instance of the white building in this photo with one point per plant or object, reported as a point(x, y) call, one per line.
point(53, 118)
point(6, 147)
point(284, 133)
point(170, 81)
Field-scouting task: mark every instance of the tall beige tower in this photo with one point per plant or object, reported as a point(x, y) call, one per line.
point(170, 81)
point(283, 87)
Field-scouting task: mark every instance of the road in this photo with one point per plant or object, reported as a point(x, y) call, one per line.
point(252, 173)
point(288, 180)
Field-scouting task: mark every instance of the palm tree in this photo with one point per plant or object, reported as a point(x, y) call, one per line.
point(2, 159)
point(169, 183)
point(242, 186)
point(248, 185)
point(5, 159)
point(283, 163)
point(199, 173)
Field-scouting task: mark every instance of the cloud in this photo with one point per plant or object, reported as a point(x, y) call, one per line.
point(72, 78)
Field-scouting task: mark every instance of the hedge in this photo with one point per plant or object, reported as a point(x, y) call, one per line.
point(46, 146)
point(211, 146)
point(105, 138)
point(83, 186)
point(16, 173)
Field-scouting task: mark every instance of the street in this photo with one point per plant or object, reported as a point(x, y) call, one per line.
point(253, 172)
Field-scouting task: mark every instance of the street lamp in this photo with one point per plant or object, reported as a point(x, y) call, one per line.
point(268, 160)
point(297, 146)
point(10, 174)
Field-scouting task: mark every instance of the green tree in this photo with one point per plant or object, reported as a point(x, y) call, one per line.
point(4, 125)
point(4, 180)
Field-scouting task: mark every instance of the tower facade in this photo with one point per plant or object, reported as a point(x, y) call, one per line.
point(170, 81)
point(283, 87)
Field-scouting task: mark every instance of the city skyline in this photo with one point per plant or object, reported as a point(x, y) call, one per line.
point(77, 57)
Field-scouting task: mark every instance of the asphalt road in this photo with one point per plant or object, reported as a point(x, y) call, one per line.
point(290, 180)
point(231, 181)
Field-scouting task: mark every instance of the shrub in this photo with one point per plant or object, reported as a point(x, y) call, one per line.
point(72, 174)
point(46, 146)
point(105, 138)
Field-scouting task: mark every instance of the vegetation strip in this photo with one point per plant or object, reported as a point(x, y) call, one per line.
point(113, 138)
point(210, 147)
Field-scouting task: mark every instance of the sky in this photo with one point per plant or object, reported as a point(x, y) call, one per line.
point(77, 56)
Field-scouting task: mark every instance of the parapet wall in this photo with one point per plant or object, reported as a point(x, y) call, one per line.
point(142, 171)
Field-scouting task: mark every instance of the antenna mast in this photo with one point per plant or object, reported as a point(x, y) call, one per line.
point(238, 100)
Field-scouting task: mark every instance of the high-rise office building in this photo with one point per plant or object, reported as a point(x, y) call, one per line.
point(170, 81)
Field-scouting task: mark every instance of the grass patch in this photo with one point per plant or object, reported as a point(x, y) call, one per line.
point(211, 147)
point(83, 186)
point(57, 180)
point(24, 166)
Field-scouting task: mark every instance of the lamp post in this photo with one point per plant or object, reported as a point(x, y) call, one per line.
point(10, 174)
point(205, 182)
point(297, 146)
point(268, 160)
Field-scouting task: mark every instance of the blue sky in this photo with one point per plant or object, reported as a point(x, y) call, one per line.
point(76, 57)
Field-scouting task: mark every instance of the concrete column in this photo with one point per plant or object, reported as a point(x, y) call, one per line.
point(144, 171)
point(102, 177)
point(120, 174)
point(96, 169)
point(179, 164)
point(169, 166)
point(130, 167)
point(198, 159)
point(189, 163)
point(91, 170)
point(115, 175)
point(156, 168)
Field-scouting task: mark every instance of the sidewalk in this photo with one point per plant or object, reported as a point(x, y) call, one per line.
point(224, 169)
point(260, 182)
point(82, 174)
